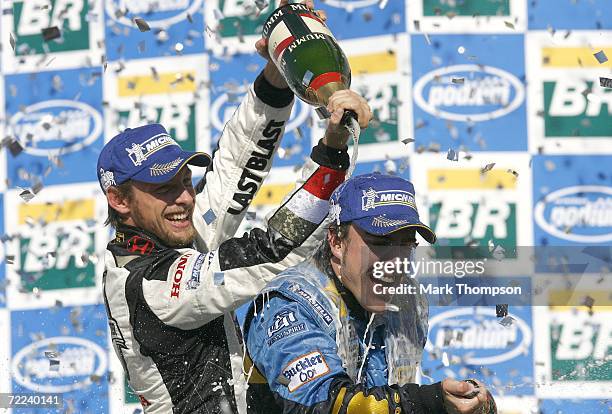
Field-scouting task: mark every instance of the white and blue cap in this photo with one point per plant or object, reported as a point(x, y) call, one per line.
point(147, 153)
point(379, 204)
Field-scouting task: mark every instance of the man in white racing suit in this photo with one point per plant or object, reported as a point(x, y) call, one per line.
point(173, 276)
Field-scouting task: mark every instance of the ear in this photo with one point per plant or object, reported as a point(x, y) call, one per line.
point(118, 201)
point(335, 244)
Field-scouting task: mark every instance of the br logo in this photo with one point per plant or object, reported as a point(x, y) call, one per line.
point(32, 16)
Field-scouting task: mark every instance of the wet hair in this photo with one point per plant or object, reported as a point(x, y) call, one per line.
point(322, 257)
point(114, 218)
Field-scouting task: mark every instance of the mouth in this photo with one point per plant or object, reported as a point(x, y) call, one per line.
point(386, 279)
point(180, 220)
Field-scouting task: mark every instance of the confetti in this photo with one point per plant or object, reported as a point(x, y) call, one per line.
point(452, 155)
point(501, 310)
point(26, 195)
point(605, 82)
point(52, 354)
point(162, 36)
point(178, 48)
point(209, 216)
point(601, 56)
point(588, 302)
point(458, 80)
point(390, 167)
point(12, 41)
point(513, 172)
point(461, 50)
point(189, 17)
point(498, 253)
point(509, 25)
point(51, 33)
point(13, 146)
point(54, 365)
point(407, 141)
point(507, 321)
point(142, 24)
point(445, 359)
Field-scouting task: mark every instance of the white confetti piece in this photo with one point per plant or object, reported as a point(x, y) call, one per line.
point(506, 321)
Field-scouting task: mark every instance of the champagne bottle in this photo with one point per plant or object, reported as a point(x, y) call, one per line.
point(307, 55)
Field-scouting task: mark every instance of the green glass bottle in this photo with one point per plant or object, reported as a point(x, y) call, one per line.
point(307, 54)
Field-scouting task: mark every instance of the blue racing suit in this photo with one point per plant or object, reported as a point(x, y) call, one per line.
point(291, 335)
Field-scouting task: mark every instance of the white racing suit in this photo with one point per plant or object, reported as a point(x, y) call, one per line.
point(171, 310)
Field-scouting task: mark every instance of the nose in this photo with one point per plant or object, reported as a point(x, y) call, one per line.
point(185, 197)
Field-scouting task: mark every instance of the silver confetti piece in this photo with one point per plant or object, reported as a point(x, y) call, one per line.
point(52, 354)
point(54, 365)
point(601, 56)
point(26, 195)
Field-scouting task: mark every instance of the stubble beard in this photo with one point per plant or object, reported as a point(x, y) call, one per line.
point(171, 239)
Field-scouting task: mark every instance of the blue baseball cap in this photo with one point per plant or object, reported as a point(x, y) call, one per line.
point(379, 204)
point(147, 153)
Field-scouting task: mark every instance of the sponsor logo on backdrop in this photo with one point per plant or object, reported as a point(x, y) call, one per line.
point(56, 127)
point(466, 8)
point(576, 107)
point(79, 360)
point(149, 102)
point(580, 345)
point(577, 213)
point(238, 18)
point(479, 335)
point(490, 98)
point(465, 220)
point(384, 102)
point(31, 17)
point(350, 4)
point(469, 93)
point(476, 220)
point(3, 297)
point(224, 106)
point(159, 14)
point(57, 254)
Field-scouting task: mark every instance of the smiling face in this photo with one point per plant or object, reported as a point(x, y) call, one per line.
point(165, 209)
point(355, 257)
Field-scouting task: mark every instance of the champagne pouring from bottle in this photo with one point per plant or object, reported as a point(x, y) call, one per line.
point(312, 63)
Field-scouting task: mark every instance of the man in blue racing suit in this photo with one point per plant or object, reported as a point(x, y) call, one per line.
point(325, 337)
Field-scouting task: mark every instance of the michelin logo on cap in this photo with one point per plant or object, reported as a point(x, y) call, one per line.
point(140, 152)
point(372, 199)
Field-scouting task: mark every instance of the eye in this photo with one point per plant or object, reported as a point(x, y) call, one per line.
point(162, 190)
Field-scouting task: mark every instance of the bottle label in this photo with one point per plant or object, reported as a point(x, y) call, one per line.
point(290, 26)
